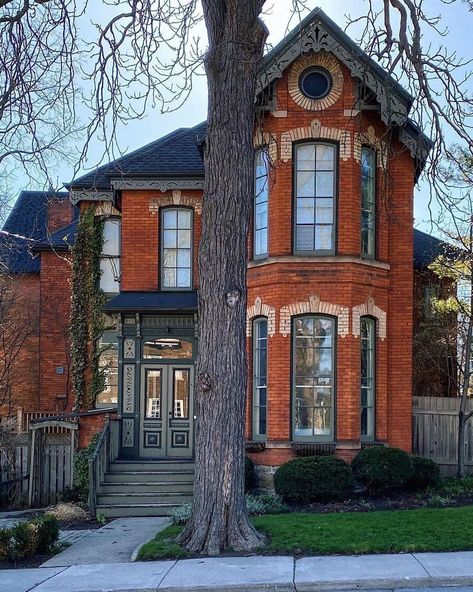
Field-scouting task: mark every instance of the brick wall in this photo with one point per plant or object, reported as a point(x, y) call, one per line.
point(60, 213)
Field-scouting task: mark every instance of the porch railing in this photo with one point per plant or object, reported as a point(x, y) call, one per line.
point(105, 452)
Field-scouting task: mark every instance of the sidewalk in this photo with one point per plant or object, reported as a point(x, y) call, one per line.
point(251, 574)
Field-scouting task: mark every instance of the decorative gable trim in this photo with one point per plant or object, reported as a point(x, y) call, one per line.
point(315, 306)
point(315, 131)
point(369, 309)
point(77, 196)
point(161, 184)
point(261, 310)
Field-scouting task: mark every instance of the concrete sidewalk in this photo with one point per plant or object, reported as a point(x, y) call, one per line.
point(252, 574)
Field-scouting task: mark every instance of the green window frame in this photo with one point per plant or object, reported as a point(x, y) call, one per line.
point(260, 378)
point(368, 202)
point(315, 181)
point(313, 378)
point(368, 378)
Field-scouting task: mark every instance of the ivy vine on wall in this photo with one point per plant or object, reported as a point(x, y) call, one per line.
point(87, 322)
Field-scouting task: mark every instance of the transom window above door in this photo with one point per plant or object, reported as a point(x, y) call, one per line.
point(176, 248)
point(314, 191)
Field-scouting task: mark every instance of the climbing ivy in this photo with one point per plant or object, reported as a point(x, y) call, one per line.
point(87, 321)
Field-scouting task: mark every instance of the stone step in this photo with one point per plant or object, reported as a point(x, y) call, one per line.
point(123, 510)
point(162, 466)
point(147, 487)
point(131, 499)
point(148, 476)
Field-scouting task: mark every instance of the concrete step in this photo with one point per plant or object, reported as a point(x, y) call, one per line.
point(147, 487)
point(163, 466)
point(122, 510)
point(148, 476)
point(135, 499)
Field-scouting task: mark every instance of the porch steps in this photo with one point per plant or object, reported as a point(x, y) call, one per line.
point(145, 488)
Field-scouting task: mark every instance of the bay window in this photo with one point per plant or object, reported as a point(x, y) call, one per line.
point(315, 178)
point(313, 378)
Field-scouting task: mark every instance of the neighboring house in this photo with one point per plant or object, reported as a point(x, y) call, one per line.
point(330, 271)
point(34, 351)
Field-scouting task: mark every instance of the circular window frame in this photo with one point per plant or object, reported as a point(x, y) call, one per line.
point(323, 60)
point(316, 70)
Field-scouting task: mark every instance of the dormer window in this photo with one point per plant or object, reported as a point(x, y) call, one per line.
point(315, 198)
point(176, 249)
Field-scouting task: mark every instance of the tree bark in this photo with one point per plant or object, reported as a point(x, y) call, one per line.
point(236, 42)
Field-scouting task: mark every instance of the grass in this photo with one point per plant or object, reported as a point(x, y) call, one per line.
point(351, 533)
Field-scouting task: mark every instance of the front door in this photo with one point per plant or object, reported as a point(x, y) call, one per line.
point(166, 411)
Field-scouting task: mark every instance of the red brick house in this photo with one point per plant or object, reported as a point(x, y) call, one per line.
point(330, 268)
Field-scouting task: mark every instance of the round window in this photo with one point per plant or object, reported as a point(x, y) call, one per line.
point(315, 83)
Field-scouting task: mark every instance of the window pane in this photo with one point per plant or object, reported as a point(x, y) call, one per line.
point(261, 215)
point(169, 239)
point(324, 210)
point(170, 218)
point(305, 238)
point(367, 376)
point(325, 157)
point(261, 242)
point(153, 394)
point(183, 278)
point(260, 369)
point(167, 348)
point(110, 275)
point(184, 219)
point(169, 278)
point(108, 364)
point(111, 237)
point(260, 208)
point(184, 258)
point(181, 394)
point(184, 239)
point(306, 157)
point(324, 184)
point(305, 185)
point(305, 210)
point(323, 238)
point(368, 202)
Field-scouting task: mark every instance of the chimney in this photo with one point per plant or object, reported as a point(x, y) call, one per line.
point(59, 213)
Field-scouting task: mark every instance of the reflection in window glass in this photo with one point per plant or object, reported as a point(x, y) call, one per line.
point(315, 195)
point(108, 363)
point(181, 394)
point(153, 394)
point(260, 216)
point(368, 344)
point(167, 348)
point(368, 202)
point(260, 376)
point(110, 256)
point(313, 380)
point(176, 240)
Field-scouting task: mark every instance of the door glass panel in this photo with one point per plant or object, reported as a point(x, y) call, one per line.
point(181, 394)
point(167, 349)
point(153, 394)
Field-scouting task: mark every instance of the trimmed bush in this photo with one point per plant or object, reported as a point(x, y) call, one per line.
point(426, 473)
point(29, 538)
point(313, 479)
point(382, 469)
point(250, 475)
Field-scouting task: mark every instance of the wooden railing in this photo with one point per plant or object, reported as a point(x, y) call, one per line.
point(105, 452)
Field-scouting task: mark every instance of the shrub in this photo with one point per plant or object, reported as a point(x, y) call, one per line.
point(381, 469)
point(249, 473)
point(426, 473)
point(181, 515)
point(79, 491)
point(257, 505)
point(313, 478)
point(29, 538)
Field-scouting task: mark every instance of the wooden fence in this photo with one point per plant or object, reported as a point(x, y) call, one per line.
point(435, 432)
point(14, 461)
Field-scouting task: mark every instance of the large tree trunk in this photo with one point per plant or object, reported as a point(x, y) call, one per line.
point(236, 41)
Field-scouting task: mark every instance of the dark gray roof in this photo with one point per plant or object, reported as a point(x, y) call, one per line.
point(149, 301)
point(175, 155)
point(427, 248)
point(25, 227)
point(61, 240)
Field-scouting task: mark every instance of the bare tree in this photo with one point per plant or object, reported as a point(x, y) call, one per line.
point(133, 63)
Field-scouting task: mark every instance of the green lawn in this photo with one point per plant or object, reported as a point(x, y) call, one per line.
point(447, 529)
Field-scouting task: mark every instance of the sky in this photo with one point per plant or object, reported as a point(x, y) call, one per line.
point(276, 16)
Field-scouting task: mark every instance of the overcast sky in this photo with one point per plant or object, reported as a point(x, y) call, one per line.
point(277, 14)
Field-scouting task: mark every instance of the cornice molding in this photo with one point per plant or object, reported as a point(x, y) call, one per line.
point(158, 184)
point(330, 260)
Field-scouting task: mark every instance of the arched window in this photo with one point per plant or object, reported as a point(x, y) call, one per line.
point(260, 212)
point(368, 202)
point(315, 177)
point(368, 377)
point(313, 378)
point(260, 377)
point(176, 248)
